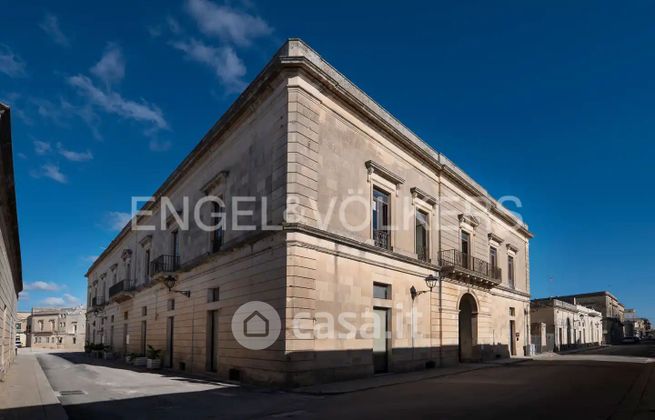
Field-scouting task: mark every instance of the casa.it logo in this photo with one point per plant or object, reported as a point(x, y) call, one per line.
point(256, 325)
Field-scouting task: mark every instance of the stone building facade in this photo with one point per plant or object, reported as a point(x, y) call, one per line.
point(11, 281)
point(58, 328)
point(611, 309)
point(558, 325)
point(23, 328)
point(351, 213)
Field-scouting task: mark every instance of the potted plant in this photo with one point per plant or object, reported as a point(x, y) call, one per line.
point(129, 359)
point(87, 347)
point(107, 354)
point(96, 350)
point(140, 360)
point(154, 361)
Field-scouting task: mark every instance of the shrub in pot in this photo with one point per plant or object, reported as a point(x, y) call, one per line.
point(130, 358)
point(154, 360)
point(140, 360)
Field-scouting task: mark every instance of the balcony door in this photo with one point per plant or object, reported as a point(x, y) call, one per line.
point(381, 218)
point(465, 248)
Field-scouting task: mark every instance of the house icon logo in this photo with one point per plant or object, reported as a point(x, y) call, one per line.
point(256, 325)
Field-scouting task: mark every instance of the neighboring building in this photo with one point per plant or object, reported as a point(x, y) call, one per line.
point(11, 280)
point(58, 328)
point(558, 325)
point(611, 309)
point(635, 326)
point(303, 140)
point(23, 329)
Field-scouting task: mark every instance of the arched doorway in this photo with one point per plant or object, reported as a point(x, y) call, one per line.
point(468, 328)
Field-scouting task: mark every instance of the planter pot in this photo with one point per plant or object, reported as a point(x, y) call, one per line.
point(97, 354)
point(140, 361)
point(108, 355)
point(154, 364)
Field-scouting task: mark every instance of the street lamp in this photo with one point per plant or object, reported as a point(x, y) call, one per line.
point(430, 281)
point(169, 282)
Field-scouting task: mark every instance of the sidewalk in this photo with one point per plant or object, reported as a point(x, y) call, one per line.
point(401, 378)
point(26, 392)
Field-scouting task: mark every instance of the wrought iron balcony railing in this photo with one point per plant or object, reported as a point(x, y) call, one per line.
point(422, 253)
point(165, 264)
point(126, 285)
point(382, 238)
point(454, 260)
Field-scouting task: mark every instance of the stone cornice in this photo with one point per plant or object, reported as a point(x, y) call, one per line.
point(493, 238)
point(215, 182)
point(376, 168)
point(417, 192)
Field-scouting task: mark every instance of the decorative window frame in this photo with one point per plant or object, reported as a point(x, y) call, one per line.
point(495, 240)
point(468, 224)
point(428, 204)
point(512, 250)
point(217, 187)
point(386, 180)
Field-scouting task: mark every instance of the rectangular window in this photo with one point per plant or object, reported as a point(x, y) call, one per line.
point(217, 221)
point(422, 232)
point(510, 271)
point(171, 304)
point(466, 248)
point(381, 219)
point(493, 263)
point(175, 244)
point(381, 291)
point(125, 315)
point(213, 294)
point(146, 260)
point(512, 311)
point(144, 311)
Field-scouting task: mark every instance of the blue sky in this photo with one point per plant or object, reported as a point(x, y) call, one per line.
point(548, 101)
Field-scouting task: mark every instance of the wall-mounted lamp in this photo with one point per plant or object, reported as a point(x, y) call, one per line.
point(430, 281)
point(169, 282)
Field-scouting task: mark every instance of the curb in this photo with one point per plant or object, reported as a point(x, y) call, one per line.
point(52, 407)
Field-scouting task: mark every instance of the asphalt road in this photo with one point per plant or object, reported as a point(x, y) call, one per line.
point(599, 384)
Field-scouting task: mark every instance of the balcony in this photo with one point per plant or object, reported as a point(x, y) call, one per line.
point(122, 291)
point(164, 266)
point(459, 266)
point(98, 301)
point(382, 238)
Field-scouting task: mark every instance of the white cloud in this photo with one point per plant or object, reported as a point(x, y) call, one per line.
point(51, 171)
point(11, 64)
point(42, 285)
point(116, 220)
point(50, 25)
point(22, 155)
point(41, 147)
point(23, 296)
point(90, 258)
point(53, 301)
point(71, 300)
point(228, 24)
point(74, 156)
point(114, 103)
point(111, 67)
point(227, 66)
